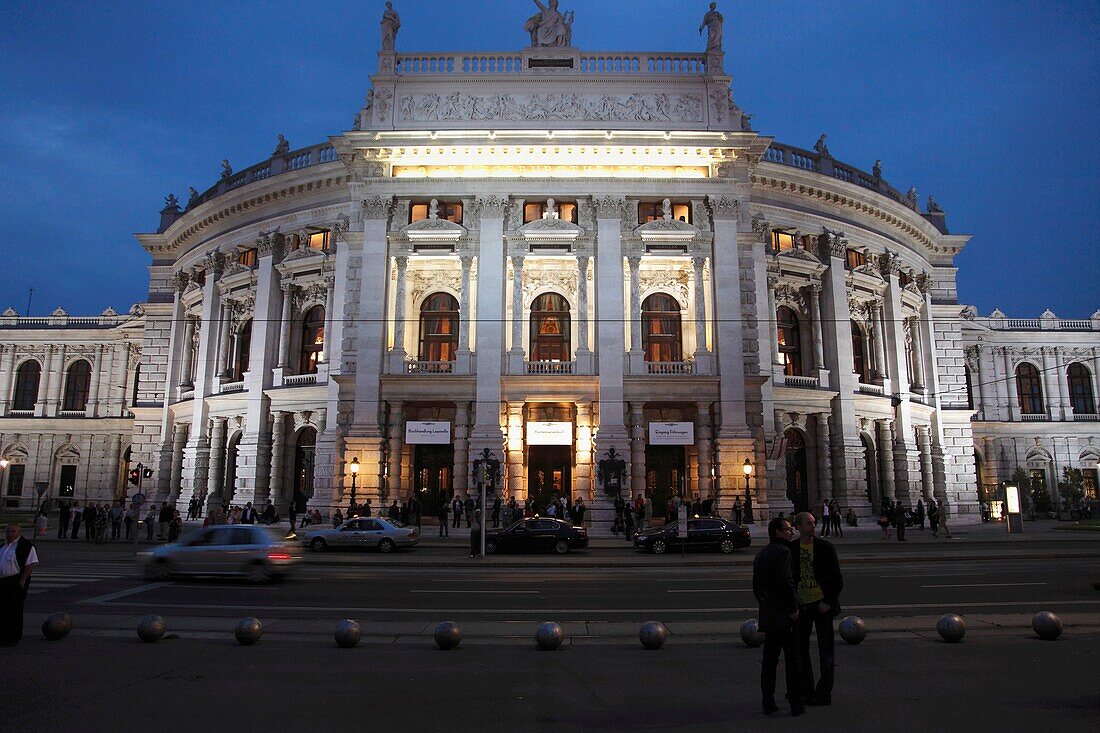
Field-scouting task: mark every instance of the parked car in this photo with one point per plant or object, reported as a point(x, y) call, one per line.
point(257, 553)
point(362, 533)
point(705, 534)
point(536, 534)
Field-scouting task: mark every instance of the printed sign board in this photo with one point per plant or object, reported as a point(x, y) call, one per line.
point(671, 433)
point(419, 432)
point(549, 433)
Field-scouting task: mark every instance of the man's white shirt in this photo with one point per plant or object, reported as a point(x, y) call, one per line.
point(9, 564)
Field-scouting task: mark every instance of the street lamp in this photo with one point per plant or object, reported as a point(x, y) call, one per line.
point(747, 468)
point(354, 468)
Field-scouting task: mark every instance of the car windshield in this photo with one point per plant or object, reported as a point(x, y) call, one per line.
point(395, 522)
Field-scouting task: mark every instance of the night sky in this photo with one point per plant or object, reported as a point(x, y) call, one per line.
point(989, 105)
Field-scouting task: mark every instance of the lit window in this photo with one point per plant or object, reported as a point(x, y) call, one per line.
point(313, 340)
point(661, 328)
point(859, 357)
point(855, 259)
point(439, 328)
point(782, 241)
point(564, 210)
point(247, 258)
point(550, 328)
point(653, 210)
point(1080, 390)
point(319, 241)
point(449, 211)
point(790, 341)
point(26, 385)
point(1029, 390)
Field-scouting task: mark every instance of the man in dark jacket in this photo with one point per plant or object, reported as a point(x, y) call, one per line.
point(17, 559)
point(819, 583)
point(89, 522)
point(774, 588)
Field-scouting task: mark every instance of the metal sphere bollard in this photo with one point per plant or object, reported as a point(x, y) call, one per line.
point(951, 627)
point(751, 634)
point(57, 626)
point(653, 634)
point(448, 635)
point(549, 636)
point(151, 628)
point(347, 634)
point(853, 629)
point(1046, 625)
point(249, 630)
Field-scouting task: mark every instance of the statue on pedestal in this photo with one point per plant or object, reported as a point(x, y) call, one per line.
point(713, 22)
point(391, 23)
point(549, 28)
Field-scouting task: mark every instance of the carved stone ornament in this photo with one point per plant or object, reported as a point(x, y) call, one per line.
point(556, 229)
point(303, 253)
point(537, 279)
point(430, 281)
point(492, 206)
point(762, 227)
point(270, 244)
point(400, 215)
point(235, 268)
point(860, 309)
point(672, 281)
point(798, 253)
point(376, 207)
point(460, 106)
point(610, 207)
point(180, 281)
point(832, 243)
point(724, 207)
point(889, 264)
point(791, 296)
point(213, 263)
point(310, 294)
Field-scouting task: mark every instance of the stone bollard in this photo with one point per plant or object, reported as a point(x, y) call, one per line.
point(751, 634)
point(653, 634)
point(151, 628)
point(549, 636)
point(448, 635)
point(853, 629)
point(951, 627)
point(347, 634)
point(249, 630)
point(57, 626)
point(1046, 625)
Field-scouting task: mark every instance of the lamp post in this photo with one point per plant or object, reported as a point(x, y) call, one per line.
point(354, 468)
point(747, 468)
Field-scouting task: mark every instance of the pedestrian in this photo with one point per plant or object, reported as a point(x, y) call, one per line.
point(774, 588)
point(456, 511)
point(475, 534)
point(248, 514)
point(78, 516)
point(826, 521)
point(101, 517)
point(292, 514)
point(416, 510)
point(517, 510)
point(942, 514)
point(164, 518)
point(270, 516)
point(933, 517)
point(647, 512)
point(834, 515)
point(192, 509)
point(128, 519)
point(64, 514)
point(738, 512)
point(366, 510)
point(899, 519)
point(89, 522)
point(444, 510)
point(920, 514)
point(394, 511)
point(235, 515)
point(116, 521)
point(175, 526)
point(496, 512)
point(628, 524)
point(884, 521)
point(18, 559)
point(581, 510)
point(337, 518)
point(150, 520)
point(819, 583)
point(552, 510)
point(468, 510)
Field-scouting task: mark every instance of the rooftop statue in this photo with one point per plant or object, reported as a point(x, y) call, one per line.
point(820, 146)
point(227, 170)
point(548, 27)
point(933, 206)
point(877, 170)
point(282, 147)
point(912, 197)
point(713, 22)
point(391, 23)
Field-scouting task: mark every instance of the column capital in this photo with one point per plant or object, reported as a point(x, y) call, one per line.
point(377, 207)
point(491, 207)
point(610, 207)
point(724, 208)
point(402, 261)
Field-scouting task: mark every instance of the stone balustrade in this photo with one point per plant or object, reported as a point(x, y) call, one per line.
point(429, 367)
point(229, 387)
point(297, 380)
point(800, 382)
point(511, 63)
point(670, 367)
point(551, 367)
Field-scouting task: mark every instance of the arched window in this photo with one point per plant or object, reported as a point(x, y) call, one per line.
point(1080, 390)
point(1029, 390)
point(244, 347)
point(78, 381)
point(661, 339)
point(859, 356)
point(439, 328)
point(790, 341)
point(26, 385)
point(304, 449)
point(550, 328)
point(313, 340)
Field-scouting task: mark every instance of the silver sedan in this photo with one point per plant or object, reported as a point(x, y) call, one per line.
point(257, 553)
point(363, 533)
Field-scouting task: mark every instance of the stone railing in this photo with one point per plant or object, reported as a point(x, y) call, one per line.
point(1038, 417)
point(1086, 417)
point(104, 321)
point(875, 389)
point(551, 367)
point(20, 413)
point(809, 160)
point(296, 380)
point(228, 387)
point(511, 63)
point(800, 382)
point(292, 161)
point(73, 413)
point(670, 367)
point(429, 367)
point(1000, 323)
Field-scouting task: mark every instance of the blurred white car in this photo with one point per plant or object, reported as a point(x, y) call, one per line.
point(257, 553)
point(362, 533)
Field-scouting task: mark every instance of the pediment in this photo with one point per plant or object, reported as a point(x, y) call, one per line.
point(798, 254)
point(434, 229)
point(302, 253)
point(551, 228)
point(870, 271)
point(668, 230)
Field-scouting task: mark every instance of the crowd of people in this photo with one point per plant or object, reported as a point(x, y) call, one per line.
point(110, 521)
point(896, 516)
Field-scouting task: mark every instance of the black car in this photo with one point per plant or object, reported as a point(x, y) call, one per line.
point(536, 534)
point(704, 533)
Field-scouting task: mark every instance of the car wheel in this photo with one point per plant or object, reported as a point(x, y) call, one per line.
point(659, 547)
point(159, 570)
point(258, 573)
point(561, 547)
point(318, 544)
point(726, 546)
point(386, 545)
point(490, 547)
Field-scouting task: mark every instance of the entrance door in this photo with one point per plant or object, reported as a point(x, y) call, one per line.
point(432, 469)
point(796, 471)
point(303, 468)
point(67, 482)
point(665, 471)
point(549, 474)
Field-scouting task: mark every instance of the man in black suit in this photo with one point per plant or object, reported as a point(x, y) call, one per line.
point(819, 583)
point(774, 588)
point(17, 559)
point(89, 522)
point(248, 515)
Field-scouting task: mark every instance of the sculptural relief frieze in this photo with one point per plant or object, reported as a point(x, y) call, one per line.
point(460, 106)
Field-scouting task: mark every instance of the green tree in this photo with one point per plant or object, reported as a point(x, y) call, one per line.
point(1071, 488)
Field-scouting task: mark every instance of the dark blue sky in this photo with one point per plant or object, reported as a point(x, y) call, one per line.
point(990, 105)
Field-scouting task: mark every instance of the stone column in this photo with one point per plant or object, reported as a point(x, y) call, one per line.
point(1047, 377)
point(52, 381)
point(179, 442)
point(924, 445)
point(917, 351)
point(397, 356)
point(114, 453)
point(226, 333)
point(278, 493)
point(396, 484)
point(637, 355)
point(1095, 376)
point(881, 371)
point(514, 451)
point(815, 316)
point(216, 482)
point(584, 353)
point(637, 450)
point(610, 333)
point(330, 314)
point(92, 409)
point(824, 463)
point(462, 357)
point(7, 378)
point(187, 355)
point(486, 431)
point(702, 354)
point(773, 323)
point(584, 485)
point(462, 447)
point(1061, 376)
point(516, 353)
point(886, 459)
point(868, 356)
point(285, 325)
point(704, 450)
point(1009, 383)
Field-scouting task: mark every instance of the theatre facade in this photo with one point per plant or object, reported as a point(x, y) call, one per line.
point(588, 266)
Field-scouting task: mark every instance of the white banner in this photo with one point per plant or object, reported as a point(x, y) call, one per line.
point(549, 433)
point(427, 433)
point(672, 433)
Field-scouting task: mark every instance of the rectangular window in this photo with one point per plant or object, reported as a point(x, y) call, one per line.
point(319, 241)
point(247, 258)
point(449, 211)
point(782, 241)
point(16, 472)
point(67, 482)
point(904, 279)
point(564, 210)
point(200, 278)
point(855, 259)
point(653, 210)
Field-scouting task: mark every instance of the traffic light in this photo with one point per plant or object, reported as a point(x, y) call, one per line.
point(148, 473)
point(135, 476)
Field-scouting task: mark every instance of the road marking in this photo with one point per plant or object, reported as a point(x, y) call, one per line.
point(900, 576)
point(709, 590)
point(124, 593)
point(495, 592)
point(978, 585)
